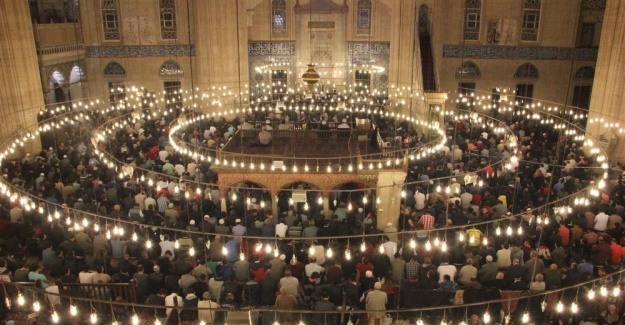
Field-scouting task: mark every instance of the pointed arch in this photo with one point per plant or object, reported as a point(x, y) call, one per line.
point(114, 69)
point(585, 72)
point(278, 17)
point(170, 68)
point(526, 71)
point(468, 70)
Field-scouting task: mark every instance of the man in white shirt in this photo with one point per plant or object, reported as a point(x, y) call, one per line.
point(312, 267)
point(419, 200)
point(167, 245)
point(290, 283)
point(445, 269)
point(173, 300)
point(390, 248)
point(206, 308)
point(601, 221)
point(503, 257)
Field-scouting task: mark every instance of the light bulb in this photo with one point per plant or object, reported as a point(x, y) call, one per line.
point(242, 256)
point(428, 246)
point(486, 317)
point(93, 318)
point(158, 322)
point(591, 294)
point(403, 193)
point(311, 251)
point(349, 206)
point(329, 253)
point(276, 252)
point(134, 319)
point(498, 231)
point(520, 231)
point(436, 242)
point(525, 318)
point(461, 236)
point(224, 250)
point(234, 196)
point(413, 244)
point(509, 231)
point(320, 200)
point(419, 321)
point(348, 254)
point(291, 201)
point(382, 249)
point(363, 247)
point(559, 307)
point(616, 291)
point(444, 247)
point(268, 248)
point(306, 207)
point(378, 200)
point(603, 291)
point(20, 300)
point(192, 251)
point(176, 244)
point(364, 200)
point(574, 308)
point(55, 317)
point(73, 310)
point(485, 242)
point(134, 236)
point(36, 306)
point(148, 244)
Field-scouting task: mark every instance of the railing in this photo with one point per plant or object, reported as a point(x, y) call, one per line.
point(52, 35)
point(61, 49)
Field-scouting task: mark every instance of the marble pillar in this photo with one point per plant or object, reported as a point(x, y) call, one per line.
point(21, 96)
point(608, 90)
point(390, 185)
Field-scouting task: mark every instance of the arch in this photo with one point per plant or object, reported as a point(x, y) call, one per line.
point(468, 70)
point(526, 71)
point(56, 82)
point(295, 184)
point(76, 75)
point(114, 69)
point(424, 20)
point(170, 68)
point(585, 72)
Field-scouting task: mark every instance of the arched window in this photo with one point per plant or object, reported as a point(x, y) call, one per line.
point(110, 20)
point(170, 69)
point(472, 17)
point(468, 70)
point(168, 19)
point(526, 71)
point(585, 72)
point(364, 17)
point(114, 69)
point(531, 20)
point(278, 17)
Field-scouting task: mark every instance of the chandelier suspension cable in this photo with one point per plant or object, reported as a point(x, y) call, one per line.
point(190, 55)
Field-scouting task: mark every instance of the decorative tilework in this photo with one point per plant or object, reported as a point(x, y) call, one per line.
point(580, 54)
point(519, 52)
point(372, 53)
point(268, 53)
point(593, 4)
point(136, 51)
point(114, 69)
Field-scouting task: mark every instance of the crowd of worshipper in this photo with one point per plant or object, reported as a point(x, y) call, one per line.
point(448, 198)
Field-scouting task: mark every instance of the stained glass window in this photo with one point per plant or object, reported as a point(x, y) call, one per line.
point(364, 17)
point(168, 19)
point(110, 20)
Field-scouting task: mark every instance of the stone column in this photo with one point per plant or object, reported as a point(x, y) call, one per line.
point(21, 95)
point(390, 185)
point(220, 24)
point(608, 92)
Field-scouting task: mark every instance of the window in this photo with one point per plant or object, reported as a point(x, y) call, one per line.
point(581, 96)
point(170, 69)
point(168, 19)
point(110, 20)
point(279, 81)
point(587, 35)
point(364, 17)
point(466, 90)
point(278, 17)
point(363, 81)
point(531, 20)
point(472, 20)
point(523, 94)
point(526, 71)
point(468, 70)
point(117, 92)
point(114, 69)
point(173, 94)
point(585, 72)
